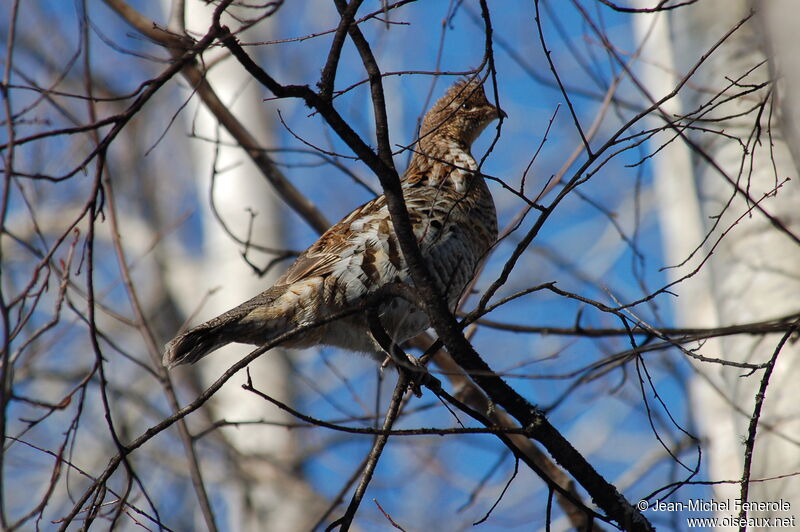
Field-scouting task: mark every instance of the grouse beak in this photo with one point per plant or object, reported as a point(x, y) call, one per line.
point(500, 113)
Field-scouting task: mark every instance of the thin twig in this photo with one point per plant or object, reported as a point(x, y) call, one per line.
point(346, 520)
point(750, 443)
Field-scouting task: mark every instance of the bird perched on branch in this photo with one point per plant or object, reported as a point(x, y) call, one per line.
point(453, 219)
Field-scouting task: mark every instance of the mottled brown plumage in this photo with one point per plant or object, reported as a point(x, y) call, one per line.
point(453, 218)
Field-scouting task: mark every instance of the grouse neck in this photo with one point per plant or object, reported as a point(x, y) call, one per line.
point(442, 162)
point(438, 150)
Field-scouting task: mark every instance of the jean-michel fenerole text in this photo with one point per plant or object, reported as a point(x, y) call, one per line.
point(727, 505)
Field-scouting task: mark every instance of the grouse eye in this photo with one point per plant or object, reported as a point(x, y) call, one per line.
point(468, 106)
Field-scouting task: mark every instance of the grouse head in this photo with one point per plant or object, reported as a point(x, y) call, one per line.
point(460, 115)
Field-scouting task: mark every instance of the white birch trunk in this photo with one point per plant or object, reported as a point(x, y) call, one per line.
point(266, 494)
point(682, 230)
point(753, 272)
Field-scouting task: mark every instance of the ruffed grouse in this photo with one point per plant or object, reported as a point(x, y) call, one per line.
point(453, 218)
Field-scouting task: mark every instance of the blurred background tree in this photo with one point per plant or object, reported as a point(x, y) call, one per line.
point(644, 293)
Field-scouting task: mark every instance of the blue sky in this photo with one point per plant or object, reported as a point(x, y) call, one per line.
point(578, 247)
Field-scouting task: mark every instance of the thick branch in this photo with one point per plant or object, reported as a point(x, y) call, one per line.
point(603, 493)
